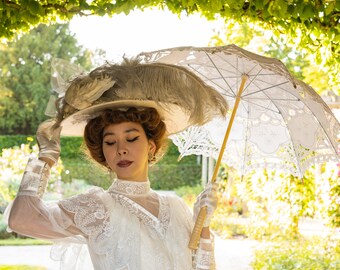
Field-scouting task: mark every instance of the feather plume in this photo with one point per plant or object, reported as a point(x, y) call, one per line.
point(131, 80)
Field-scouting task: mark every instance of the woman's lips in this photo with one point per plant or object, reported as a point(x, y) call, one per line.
point(124, 163)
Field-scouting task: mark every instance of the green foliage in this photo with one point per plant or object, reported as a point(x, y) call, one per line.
point(171, 176)
point(21, 267)
point(299, 60)
point(12, 165)
point(331, 201)
point(75, 187)
point(316, 254)
point(82, 169)
point(25, 75)
point(167, 174)
point(269, 204)
point(3, 228)
point(189, 194)
point(14, 140)
point(311, 25)
point(71, 147)
point(23, 242)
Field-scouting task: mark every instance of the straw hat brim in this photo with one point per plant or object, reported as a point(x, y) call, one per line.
point(175, 118)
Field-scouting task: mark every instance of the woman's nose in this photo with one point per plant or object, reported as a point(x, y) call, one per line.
point(122, 150)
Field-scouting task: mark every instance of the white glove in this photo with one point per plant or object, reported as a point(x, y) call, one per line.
point(48, 138)
point(208, 197)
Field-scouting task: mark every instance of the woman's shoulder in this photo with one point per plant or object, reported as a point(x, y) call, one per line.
point(89, 199)
point(89, 210)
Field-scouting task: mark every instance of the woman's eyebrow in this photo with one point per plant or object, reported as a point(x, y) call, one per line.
point(131, 130)
point(126, 131)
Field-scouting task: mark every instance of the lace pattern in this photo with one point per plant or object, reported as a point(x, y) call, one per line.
point(35, 178)
point(160, 224)
point(281, 123)
point(204, 257)
point(122, 234)
point(129, 187)
point(90, 214)
point(93, 218)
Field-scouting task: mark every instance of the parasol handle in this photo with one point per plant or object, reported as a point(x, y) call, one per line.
point(196, 233)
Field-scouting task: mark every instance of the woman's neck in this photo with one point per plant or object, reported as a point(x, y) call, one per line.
point(128, 187)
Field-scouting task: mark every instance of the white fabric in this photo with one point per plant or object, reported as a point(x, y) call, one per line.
point(280, 123)
point(208, 198)
point(35, 178)
point(128, 227)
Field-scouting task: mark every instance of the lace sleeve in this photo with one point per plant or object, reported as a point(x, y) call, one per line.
point(29, 215)
point(35, 178)
point(89, 212)
point(204, 258)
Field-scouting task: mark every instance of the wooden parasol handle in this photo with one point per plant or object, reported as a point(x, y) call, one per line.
point(196, 233)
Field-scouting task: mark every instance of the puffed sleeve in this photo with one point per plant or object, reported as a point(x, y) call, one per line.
point(89, 211)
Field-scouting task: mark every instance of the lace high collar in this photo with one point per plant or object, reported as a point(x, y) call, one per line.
point(130, 187)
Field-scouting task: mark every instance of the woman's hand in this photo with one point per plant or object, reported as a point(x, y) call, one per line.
point(48, 138)
point(208, 197)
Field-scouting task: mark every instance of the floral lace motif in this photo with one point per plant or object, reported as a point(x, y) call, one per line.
point(92, 217)
point(129, 187)
point(160, 224)
point(205, 260)
point(35, 178)
point(90, 214)
point(281, 123)
point(120, 188)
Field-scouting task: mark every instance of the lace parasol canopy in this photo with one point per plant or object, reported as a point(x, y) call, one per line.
point(280, 123)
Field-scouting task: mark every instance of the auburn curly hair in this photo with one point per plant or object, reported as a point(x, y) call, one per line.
point(149, 119)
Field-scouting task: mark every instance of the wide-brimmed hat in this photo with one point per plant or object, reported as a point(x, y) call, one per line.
point(175, 92)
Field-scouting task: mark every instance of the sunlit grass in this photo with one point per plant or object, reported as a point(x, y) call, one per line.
point(21, 267)
point(23, 242)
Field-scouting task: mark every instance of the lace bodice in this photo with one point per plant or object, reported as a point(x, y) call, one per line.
point(129, 227)
point(128, 216)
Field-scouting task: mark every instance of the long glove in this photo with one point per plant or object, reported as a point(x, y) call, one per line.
point(208, 197)
point(37, 172)
point(48, 138)
point(204, 257)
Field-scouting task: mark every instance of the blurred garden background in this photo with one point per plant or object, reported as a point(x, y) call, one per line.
point(296, 222)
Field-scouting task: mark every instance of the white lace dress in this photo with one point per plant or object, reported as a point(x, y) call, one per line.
point(127, 227)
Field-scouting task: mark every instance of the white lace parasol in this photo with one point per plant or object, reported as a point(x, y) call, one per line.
point(280, 123)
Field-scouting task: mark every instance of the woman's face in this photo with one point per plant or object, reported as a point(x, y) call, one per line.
point(126, 150)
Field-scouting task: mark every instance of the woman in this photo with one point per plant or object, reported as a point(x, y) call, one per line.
point(129, 226)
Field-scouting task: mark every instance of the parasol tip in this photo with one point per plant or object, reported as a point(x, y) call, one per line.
point(180, 158)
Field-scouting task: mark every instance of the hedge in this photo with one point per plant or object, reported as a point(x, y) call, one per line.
point(71, 146)
point(166, 174)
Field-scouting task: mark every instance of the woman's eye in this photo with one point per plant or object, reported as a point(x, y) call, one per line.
point(109, 143)
point(133, 139)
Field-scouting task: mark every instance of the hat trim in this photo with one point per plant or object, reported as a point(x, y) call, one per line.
point(175, 117)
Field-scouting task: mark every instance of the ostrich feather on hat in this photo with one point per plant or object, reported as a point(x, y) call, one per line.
point(174, 91)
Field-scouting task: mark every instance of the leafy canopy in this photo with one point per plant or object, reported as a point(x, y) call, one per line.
point(258, 40)
point(313, 25)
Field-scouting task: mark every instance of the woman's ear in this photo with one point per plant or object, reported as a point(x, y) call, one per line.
point(152, 146)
